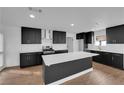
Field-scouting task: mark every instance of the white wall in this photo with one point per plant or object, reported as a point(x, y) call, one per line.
point(1, 41)
point(0, 16)
point(12, 45)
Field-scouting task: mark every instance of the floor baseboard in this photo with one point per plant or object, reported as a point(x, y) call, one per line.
point(2, 68)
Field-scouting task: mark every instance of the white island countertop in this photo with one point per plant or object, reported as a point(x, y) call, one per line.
point(65, 57)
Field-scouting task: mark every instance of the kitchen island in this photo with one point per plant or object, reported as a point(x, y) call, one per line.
point(59, 68)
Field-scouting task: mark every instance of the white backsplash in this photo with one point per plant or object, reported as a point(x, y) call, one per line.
point(115, 48)
point(38, 47)
point(59, 46)
point(30, 48)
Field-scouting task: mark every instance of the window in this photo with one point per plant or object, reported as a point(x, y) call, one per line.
point(97, 43)
point(100, 40)
point(103, 43)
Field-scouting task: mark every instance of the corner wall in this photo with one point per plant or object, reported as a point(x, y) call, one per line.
point(12, 45)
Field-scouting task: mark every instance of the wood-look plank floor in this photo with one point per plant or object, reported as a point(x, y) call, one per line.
point(101, 75)
point(25, 76)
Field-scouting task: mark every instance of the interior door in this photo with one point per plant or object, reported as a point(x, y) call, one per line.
point(1, 52)
point(70, 44)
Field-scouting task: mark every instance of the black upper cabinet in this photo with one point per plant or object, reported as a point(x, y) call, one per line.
point(80, 35)
point(59, 37)
point(115, 35)
point(30, 35)
point(89, 37)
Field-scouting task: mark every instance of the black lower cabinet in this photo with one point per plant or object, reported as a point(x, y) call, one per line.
point(110, 59)
point(97, 58)
point(117, 60)
point(30, 59)
point(39, 58)
point(34, 58)
point(61, 51)
point(107, 57)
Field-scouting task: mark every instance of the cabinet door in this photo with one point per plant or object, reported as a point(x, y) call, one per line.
point(97, 58)
point(27, 36)
point(28, 59)
point(117, 60)
point(32, 59)
point(63, 37)
point(37, 37)
point(102, 58)
point(110, 33)
point(107, 58)
point(78, 36)
point(55, 37)
point(89, 37)
point(120, 34)
point(115, 35)
point(23, 60)
point(59, 37)
point(39, 59)
point(31, 35)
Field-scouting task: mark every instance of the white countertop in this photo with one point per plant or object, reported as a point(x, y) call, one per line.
point(112, 51)
point(65, 57)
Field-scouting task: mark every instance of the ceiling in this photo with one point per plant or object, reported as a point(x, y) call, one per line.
point(84, 18)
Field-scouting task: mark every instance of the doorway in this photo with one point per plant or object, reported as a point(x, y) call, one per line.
point(1, 52)
point(70, 44)
point(81, 45)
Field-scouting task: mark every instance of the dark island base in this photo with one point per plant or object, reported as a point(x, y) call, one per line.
point(56, 72)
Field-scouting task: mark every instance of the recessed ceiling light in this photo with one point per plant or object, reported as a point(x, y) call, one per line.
point(71, 24)
point(32, 16)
